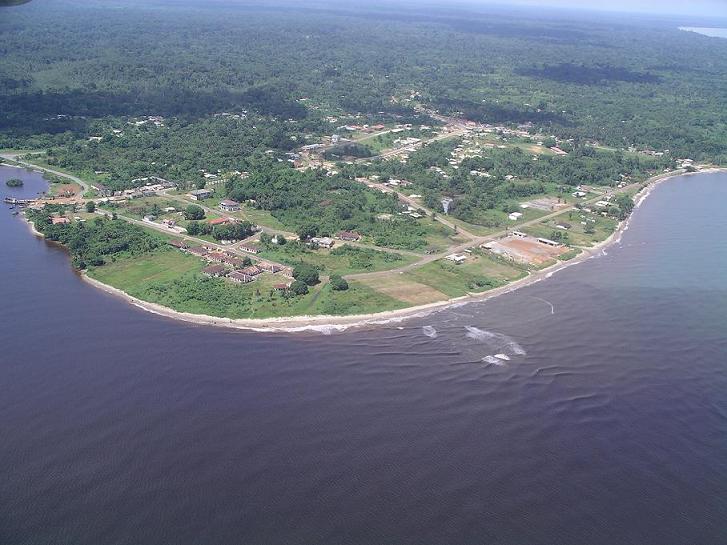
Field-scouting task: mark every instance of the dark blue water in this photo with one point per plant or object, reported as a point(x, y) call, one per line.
point(608, 424)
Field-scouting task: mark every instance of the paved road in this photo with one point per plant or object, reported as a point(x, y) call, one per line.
point(14, 157)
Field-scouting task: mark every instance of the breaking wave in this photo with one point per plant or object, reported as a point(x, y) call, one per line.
point(507, 345)
point(429, 331)
point(493, 360)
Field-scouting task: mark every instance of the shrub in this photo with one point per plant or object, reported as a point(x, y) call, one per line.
point(306, 273)
point(299, 288)
point(194, 212)
point(338, 283)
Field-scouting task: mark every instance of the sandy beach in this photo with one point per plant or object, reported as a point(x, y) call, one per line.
point(327, 324)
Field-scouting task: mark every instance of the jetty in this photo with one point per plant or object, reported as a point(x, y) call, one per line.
point(19, 202)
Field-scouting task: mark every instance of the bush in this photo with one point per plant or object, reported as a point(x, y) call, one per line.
point(299, 288)
point(338, 283)
point(90, 207)
point(14, 182)
point(194, 212)
point(306, 274)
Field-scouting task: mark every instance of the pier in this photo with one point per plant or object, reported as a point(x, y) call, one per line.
point(19, 202)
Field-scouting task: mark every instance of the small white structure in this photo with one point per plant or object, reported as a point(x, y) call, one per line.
point(323, 242)
point(457, 259)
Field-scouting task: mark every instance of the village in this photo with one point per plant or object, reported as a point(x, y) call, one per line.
point(242, 244)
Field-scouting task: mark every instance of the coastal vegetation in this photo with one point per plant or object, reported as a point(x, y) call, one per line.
point(14, 182)
point(94, 243)
point(337, 175)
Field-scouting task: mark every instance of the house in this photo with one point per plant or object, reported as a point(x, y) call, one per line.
point(200, 194)
point(60, 220)
point(252, 270)
point(563, 225)
point(240, 277)
point(457, 259)
point(214, 255)
point(269, 267)
point(232, 261)
point(519, 234)
point(323, 242)
point(349, 236)
point(214, 271)
point(229, 206)
point(180, 244)
point(549, 242)
point(218, 221)
point(515, 216)
point(102, 190)
point(282, 287)
point(199, 251)
point(249, 249)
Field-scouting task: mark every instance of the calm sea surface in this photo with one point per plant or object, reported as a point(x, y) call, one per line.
point(708, 31)
point(608, 424)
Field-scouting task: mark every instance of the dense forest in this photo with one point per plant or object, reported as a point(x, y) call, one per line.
point(93, 243)
point(236, 84)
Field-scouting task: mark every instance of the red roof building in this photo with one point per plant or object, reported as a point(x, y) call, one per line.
point(350, 236)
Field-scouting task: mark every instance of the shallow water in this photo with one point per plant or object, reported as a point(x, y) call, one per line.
point(604, 422)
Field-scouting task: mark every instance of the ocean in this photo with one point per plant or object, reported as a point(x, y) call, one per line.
point(589, 408)
point(715, 32)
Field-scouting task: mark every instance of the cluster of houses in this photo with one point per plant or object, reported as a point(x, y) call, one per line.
point(147, 187)
point(228, 265)
point(329, 242)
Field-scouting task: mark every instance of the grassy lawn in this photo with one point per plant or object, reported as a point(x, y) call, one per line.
point(358, 299)
point(172, 278)
point(438, 236)
point(133, 274)
point(343, 259)
point(246, 213)
point(404, 289)
point(479, 273)
point(577, 236)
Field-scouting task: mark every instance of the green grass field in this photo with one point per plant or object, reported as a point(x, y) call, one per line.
point(577, 236)
point(132, 274)
point(246, 213)
point(480, 273)
point(351, 260)
point(172, 278)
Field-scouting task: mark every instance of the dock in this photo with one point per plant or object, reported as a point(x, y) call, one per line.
point(19, 202)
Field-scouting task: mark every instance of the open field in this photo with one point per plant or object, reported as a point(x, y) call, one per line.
point(133, 274)
point(526, 250)
point(479, 273)
point(173, 279)
point(247, 213)
point(576, 235)
point(342, 259)
point(401, 287)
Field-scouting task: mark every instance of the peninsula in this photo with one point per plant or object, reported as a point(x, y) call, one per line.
point(343, 165)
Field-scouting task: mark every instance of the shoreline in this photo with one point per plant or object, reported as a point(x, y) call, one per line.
point(328, 324)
